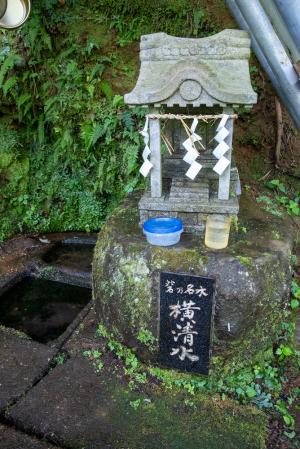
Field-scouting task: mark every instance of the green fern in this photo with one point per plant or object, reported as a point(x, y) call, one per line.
point(9, 85)
point(7, 65)
point(41, 129)
point(80, 146)
point(90, 133)
point(106, 89)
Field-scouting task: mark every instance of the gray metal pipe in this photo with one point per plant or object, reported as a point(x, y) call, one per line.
point(260, 56)
point(274, 52)
point(290, 11)
point(282, 29)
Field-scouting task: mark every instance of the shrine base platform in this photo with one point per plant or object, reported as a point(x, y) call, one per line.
point(252, 275)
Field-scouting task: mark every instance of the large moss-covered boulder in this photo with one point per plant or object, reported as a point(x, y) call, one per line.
point(252, 281)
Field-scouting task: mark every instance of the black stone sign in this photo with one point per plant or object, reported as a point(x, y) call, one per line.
point(186, 311)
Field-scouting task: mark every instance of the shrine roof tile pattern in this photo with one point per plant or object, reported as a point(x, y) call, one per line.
point(217, 66)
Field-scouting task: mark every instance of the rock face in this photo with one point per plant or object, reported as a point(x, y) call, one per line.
point(252, 281)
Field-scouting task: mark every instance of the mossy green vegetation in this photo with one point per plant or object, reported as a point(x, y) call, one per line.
point(69, 148)
point(167, 421)
point(246, 261)
point(166, 407)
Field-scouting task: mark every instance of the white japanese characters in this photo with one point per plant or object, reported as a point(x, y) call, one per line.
point(183, 314)
point(190, 289)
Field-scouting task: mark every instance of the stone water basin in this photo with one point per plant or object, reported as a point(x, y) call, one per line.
point(72, 255)
point(42, 309)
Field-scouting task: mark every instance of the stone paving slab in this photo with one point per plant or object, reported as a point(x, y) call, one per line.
point(75, 408)
point(83, 337)
point(22, 363)
point(13, 439)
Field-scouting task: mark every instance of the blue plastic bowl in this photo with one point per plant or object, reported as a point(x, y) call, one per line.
point(163, 231)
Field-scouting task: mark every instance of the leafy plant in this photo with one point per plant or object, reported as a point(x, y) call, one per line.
point(80, 145)
point(261, 385)
point(147, 338)
point(60, 359)
point(135, 404)
point(95, 356)
point(269, 205)
point(282, 197)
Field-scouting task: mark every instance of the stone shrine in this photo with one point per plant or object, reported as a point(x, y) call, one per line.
point(184, 79)
point(192, 87)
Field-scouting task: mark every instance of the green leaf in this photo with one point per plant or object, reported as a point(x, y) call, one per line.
point(295, 210)
point(198, 16)
point(264, 199)
point(239, 391)
point(250, 392)
point(98, 69)
point(281, 187)
point(23, 99)
point(9, 84)
point(276, 184)
point(294, 303)
point(290, 435)
point(106, 89)
point(287, 351)
point(289, 420)
point(46, 39)
point(7, 65)
point(118, 100)
point(41, 129)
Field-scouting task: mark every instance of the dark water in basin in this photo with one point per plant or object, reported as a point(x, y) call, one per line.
point(42, 309)
point(74, 255)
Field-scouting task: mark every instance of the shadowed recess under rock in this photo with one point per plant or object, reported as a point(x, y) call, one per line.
point(42, 309)
point(72, 255)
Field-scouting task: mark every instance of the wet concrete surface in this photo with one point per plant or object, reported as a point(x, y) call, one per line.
point(22, 363)
point(83, 337)
point(11, 438)
point(74, 414)
point(23, 255)
point(77, 408)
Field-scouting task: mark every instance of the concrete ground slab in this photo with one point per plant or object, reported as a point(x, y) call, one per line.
point(83, 337)
point(22, 363)
point(76, 408)
point(13, 439)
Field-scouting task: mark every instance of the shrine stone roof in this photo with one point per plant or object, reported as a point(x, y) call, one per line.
point(186, 71)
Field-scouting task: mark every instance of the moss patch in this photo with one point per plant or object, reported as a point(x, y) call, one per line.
point(169, 420)
point(247, 261)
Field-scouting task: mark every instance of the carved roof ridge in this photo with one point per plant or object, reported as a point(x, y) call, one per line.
point(218, 63)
